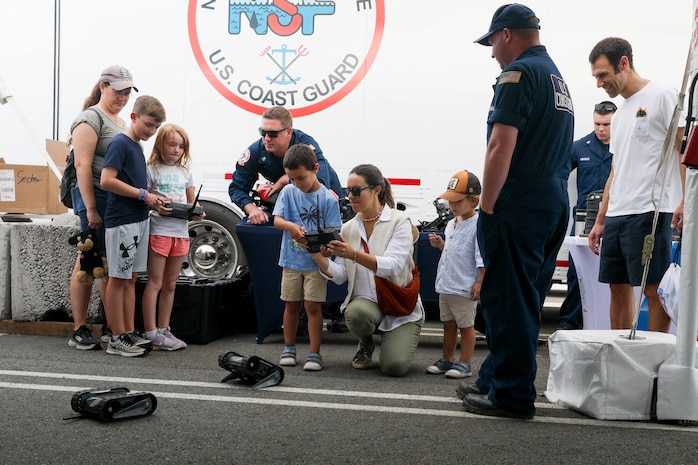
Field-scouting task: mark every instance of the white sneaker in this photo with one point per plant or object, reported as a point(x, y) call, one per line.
point(288, 358)
point(124, 346)
point(138, 339)
point(313, 363)
point(459, 370)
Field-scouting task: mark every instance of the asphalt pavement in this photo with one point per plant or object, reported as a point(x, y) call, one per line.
point(337, 416)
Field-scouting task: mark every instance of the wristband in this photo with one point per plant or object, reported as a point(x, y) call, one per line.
point(354, 254)
point(143, 195)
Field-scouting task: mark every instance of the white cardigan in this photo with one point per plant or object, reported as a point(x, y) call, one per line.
point(392, 243)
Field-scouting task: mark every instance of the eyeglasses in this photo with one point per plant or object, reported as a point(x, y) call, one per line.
point(356, 191)
point(605, 106)
point(272, 134)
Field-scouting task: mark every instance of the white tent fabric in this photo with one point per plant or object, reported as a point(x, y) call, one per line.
point(604, 375)
point(677, 383)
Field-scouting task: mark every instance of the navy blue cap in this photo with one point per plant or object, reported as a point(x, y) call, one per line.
point(510, 16)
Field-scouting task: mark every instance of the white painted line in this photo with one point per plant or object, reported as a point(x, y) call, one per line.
point(111, 379)
point(325, 392)
point(370, 408)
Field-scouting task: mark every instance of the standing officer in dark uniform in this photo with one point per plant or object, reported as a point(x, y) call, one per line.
point(266, 156)
point(592, 159)
point(524, 209)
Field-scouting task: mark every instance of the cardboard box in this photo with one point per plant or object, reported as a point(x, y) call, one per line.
point(33, 188)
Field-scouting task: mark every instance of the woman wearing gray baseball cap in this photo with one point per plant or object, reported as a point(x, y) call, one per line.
point(118, 77)
point(90, 134)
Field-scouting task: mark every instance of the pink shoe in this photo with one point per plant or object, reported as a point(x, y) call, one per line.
point(162, 342)
point(166, 332)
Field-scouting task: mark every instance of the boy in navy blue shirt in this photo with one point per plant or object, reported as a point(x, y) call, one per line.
point(126, 223)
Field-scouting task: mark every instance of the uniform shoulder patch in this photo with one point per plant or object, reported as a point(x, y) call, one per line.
point(510, 77)
point(244, 158)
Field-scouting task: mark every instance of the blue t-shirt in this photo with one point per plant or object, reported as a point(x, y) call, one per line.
point(531, 95)
point(126, 156)
point(256, 160)
point(300, 208)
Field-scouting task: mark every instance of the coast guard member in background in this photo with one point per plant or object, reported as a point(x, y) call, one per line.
point(592, 159)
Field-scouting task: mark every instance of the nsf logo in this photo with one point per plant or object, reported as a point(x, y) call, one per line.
point(305, 55)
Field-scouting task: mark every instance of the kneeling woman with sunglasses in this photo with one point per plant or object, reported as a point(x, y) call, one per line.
point(378, 241)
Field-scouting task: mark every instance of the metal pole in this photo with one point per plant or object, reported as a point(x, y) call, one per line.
point(56, 67)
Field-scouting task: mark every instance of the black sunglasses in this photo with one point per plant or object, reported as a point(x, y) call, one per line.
point(272, 134)
point(356, 191)
point(605, 106)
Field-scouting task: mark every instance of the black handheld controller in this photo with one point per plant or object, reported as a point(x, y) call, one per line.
point(317, 239)
point(321, 236)
point(185, 211)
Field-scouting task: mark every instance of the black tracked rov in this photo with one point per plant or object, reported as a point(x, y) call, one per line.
point(112, 404)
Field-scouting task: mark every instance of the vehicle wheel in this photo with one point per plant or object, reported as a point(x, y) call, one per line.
point(214, 249)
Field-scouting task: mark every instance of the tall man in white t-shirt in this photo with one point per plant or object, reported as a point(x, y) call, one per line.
point(626, 213)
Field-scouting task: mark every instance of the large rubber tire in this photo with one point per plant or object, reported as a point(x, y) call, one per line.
point(215, 250)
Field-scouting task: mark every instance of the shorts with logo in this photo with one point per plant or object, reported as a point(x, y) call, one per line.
point(168, 246)
point(297, 286)
point(621, 248)
point(459, 308)
point(127, 249)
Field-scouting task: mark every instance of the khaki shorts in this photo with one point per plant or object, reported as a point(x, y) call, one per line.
point(459, 308)
point(127, 249)
point(297, 286)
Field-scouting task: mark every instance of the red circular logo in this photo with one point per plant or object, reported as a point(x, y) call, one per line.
point(305, 55)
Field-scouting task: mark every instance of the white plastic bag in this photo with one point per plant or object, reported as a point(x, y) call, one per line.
point(669, 291)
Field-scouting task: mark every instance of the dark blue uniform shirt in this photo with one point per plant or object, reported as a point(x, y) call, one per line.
point(524, 94)
point(592, 160)
point(256, 160)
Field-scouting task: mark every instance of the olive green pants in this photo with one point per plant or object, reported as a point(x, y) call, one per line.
point(397, 347)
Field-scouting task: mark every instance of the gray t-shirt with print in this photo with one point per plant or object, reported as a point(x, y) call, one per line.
point(108, 130)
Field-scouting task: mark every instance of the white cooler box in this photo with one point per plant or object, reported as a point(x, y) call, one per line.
point(606, 376)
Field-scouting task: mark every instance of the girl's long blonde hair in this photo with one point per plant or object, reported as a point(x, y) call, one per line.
point(158, 153)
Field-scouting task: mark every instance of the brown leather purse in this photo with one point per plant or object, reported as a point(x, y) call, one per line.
point(395, 300)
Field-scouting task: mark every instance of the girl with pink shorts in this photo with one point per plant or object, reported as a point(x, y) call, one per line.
point(169, 177)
